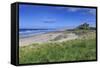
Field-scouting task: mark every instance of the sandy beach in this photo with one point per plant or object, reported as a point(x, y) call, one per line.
point(47, 37)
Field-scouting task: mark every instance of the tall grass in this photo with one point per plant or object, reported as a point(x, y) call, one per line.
point(73, 50)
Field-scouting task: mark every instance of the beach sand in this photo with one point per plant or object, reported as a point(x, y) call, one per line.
point(47, 37)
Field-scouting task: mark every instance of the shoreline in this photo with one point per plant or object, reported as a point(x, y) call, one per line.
point(47, 37)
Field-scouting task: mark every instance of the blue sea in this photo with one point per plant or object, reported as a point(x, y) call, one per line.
point(30, 32)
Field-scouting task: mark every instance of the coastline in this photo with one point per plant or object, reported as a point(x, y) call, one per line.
point(47, 37)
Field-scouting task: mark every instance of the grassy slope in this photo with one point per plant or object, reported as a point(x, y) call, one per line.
point(73, 50)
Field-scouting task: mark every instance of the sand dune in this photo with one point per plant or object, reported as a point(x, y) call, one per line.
point(47, 37)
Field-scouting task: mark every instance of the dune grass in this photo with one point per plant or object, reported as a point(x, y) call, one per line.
point(73, 50)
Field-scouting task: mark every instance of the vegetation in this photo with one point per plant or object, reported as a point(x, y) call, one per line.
point(73, 50)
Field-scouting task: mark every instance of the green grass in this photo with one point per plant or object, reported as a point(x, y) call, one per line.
point(73, 50)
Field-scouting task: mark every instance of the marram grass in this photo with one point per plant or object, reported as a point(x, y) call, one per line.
point(73, 50)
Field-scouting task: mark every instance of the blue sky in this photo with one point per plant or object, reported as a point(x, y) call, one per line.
point(35, 16)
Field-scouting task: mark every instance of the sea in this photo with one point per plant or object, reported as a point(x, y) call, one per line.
point(23, 33)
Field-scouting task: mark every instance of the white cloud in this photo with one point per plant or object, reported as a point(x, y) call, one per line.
point(73, 9)
point(92, 11)
point(86, 10)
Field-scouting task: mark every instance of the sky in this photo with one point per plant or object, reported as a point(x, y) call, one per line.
point(35, 16)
